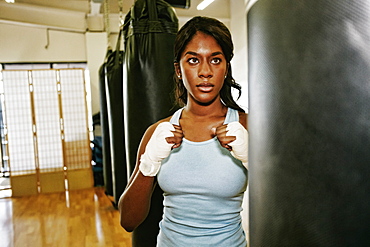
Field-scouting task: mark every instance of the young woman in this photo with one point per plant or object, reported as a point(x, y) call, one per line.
point(199, 155)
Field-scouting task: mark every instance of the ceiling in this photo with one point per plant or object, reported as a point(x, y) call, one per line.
point(218, 9)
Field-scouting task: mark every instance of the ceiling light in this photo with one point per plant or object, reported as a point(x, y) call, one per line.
point(204, 4)
point(9, 1)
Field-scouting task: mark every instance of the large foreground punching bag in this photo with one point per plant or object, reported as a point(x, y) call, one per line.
point(309, 123)
point(114, 95)
point(150, 30)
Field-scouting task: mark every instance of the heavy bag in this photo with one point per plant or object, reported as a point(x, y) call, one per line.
point(114, 94)
point(107, 164)
point(309, 123)
point(149, 31)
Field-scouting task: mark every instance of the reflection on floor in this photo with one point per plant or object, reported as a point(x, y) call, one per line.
point(5, 190)
point(75, 218)
point(4, 182)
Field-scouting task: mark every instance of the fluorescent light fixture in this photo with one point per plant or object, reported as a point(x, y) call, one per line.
point(204, 4)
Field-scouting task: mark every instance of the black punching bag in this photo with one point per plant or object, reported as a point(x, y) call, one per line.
point(114, 95)
point(150, 30)
point(309, 123)
point(107, 164)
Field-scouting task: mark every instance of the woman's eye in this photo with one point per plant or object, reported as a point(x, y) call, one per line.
point(216, 60)
point(193, 60)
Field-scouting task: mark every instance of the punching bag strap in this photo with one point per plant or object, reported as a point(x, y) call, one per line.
point(118, 46)
point(153, 22)
point(148, 21)
point(152, 10)
point(106, 21)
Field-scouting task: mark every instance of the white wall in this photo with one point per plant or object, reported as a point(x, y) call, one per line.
point(27, 43)
point(96, 49)
point(238, 28)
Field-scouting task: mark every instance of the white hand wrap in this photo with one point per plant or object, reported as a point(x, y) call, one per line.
point(156, 150)
point(240, 145)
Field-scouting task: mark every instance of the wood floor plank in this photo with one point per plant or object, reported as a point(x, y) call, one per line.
point(75, 218)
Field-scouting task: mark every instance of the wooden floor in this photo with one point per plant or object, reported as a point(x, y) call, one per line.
point(75, 218)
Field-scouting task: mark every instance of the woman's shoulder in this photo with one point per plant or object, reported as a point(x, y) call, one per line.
point(176, 115)
point(152, 127)
point(150, 130)
point(243, 119)
point(167, 119)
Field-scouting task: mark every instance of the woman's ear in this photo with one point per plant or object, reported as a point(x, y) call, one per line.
point(178, 70)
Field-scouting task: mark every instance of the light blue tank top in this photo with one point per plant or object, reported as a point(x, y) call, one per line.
point(203, 188)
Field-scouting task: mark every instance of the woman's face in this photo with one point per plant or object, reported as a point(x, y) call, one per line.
point(202, 68)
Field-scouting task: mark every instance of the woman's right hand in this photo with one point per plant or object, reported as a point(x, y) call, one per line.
point(177, 137)
point(164, 138)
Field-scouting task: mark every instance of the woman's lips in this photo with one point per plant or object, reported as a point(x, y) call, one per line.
point(205, 87)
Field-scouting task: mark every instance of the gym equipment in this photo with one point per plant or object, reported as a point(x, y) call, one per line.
point(114, 94)
point(149, 29)
point(309, 123)
point(106, 156)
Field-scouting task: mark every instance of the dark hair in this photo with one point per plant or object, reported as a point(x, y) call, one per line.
point(222, 35)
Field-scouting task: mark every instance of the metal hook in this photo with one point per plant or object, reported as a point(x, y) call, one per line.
point(47, 39)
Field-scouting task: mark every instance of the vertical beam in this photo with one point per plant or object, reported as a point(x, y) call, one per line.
point(61, 121)
point(34, 129)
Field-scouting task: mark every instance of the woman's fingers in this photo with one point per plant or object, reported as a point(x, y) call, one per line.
point(177, 138)
point(220, 132)
point(224, 140)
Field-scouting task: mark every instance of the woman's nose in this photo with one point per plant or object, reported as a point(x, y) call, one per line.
point(205, 70)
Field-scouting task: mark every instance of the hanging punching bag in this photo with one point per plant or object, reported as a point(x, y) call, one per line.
point(114, 94)
point(309, 122)
point(107, 165)
point(150, 30)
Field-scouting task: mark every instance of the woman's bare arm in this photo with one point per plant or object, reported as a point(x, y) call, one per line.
point(243, 119)
point(134, 203)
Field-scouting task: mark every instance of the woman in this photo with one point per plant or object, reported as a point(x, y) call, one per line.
point(198, 156)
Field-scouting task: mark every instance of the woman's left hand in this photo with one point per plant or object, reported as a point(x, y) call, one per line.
point(224, 140)
point(234, 137)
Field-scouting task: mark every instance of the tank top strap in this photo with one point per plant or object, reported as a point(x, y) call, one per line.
point(175, 119)
point(232, 115)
